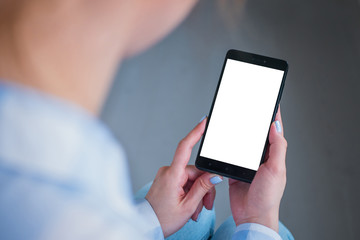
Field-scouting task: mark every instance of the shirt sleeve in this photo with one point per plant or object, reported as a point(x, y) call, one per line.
point(147, 212)
point(254, 231)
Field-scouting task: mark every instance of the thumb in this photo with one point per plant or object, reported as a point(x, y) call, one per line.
point(200, 187)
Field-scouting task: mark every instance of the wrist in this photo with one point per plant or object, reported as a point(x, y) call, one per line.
point(267, 220)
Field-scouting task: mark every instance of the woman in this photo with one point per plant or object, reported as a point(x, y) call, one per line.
point(63, 175)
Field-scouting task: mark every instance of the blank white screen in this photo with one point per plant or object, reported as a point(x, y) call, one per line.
point(242, 113)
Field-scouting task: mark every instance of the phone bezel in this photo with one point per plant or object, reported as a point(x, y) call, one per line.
point(226, 169)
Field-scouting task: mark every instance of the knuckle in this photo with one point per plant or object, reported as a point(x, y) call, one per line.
point(285, 143)
point(203, 185)
point(279, 170)
point(281, 143)
point(182, 143)
point(162, 170)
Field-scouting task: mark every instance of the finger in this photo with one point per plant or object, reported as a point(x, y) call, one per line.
point(232, 181)
point(209, 199)
point(195, 216)
point(277, 148)
point(200, 187)
point(277, 118)
point(192, 172)
point(183, 151)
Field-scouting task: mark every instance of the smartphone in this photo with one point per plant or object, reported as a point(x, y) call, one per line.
point(246, 101)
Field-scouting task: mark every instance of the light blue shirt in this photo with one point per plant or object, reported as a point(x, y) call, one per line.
point(64, 176)
point(252, 231)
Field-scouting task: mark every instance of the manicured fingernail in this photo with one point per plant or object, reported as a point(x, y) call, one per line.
point(278, 126)
point(202, 118)
point(215, 180)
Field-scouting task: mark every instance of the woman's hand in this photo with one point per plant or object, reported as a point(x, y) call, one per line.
point(259, 201)
point(180, 191)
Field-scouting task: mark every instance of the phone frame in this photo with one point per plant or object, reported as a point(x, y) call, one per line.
point(226, 169)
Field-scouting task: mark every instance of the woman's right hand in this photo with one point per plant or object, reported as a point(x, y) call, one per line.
point(180, 191)
point(259, 201)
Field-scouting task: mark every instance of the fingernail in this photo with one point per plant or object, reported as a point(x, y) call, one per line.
point(202, 118)
point(278, 126)
point(215, 180)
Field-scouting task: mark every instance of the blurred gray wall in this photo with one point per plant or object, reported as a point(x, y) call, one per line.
point(160, 95)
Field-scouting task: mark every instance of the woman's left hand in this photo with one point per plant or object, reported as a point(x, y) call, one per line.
point(180, 190)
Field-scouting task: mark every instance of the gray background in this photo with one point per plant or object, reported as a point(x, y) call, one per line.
point(160, 95)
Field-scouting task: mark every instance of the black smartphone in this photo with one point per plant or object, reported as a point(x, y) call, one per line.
point(246, 101)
